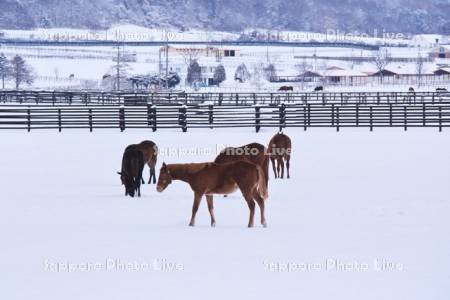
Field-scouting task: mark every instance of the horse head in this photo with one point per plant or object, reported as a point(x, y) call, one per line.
point(164, 179)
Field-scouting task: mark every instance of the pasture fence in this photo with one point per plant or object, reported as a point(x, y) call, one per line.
point(175, 116)
point(136, 98)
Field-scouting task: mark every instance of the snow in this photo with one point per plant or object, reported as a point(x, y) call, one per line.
point(359, 198)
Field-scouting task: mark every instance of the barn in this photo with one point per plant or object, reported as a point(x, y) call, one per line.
point(442, 51)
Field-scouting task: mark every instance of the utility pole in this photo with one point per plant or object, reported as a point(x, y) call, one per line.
point(167, 59)
point(118, 67)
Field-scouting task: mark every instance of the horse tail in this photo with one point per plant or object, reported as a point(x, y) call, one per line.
point(262, 184)
point(265, 167)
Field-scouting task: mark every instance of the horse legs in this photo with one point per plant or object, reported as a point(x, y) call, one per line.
point(288, 160)
point(151, 174)
point(281, 162)
point(152, 170)
point(278, 167)
point(260, 202)
point(197, 199)
point(272, 159)
point(251, 205)
point(209, 199)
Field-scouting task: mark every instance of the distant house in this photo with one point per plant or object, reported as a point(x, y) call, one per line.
point(442, 51)
point(336, 75)
point(442, 71)
point(207, 51)
point(385, 72)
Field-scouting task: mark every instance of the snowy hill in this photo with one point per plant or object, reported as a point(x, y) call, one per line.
point(407, 16)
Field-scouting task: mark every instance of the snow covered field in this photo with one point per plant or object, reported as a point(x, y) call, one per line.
point(365, 216)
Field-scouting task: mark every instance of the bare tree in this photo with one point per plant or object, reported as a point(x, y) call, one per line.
point(190, 54)
point(5, 69)
point(20, 71)
point(381, 60)
point(302, 68)
point(419, 68)
point(120, 69)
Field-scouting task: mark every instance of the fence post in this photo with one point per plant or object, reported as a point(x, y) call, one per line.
point(182, 118)
point(332, 115)
point(149, 115)
point(59, 120)
point(371, 118)
point(309, 114)
point(304, 118)
point(282, 113)
point(357, 114)
point(90, 119)
point(424, 119)
point(29, 119)
point(211, 115)
point(153, 118)
point(390, 114)
point(337, 119)
point(122, 119)
point(405, 118)
point(257, 118)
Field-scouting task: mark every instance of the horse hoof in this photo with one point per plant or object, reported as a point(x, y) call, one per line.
point(264, 225)
point(191, 225)
point(213, 224)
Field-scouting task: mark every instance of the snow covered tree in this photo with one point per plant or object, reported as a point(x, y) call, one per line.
point(194, 73)
point(5, 69)
point(20, 71)
point(258, 76)
point(242, 74)
point(270, 72)
point(219, 74)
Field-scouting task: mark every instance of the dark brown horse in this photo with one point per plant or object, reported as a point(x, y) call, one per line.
point(280, 148)
point(131, 173)
point(150, 152)
point(254, 153)
point(211, 178)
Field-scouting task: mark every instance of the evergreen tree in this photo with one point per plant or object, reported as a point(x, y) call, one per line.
point(194, 73)
point(219, 74)
point(20, 71)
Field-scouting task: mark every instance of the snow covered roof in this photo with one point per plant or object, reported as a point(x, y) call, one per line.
point(343, 73)
point(440, 47)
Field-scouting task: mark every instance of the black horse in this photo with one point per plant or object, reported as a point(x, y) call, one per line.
point(131, 173)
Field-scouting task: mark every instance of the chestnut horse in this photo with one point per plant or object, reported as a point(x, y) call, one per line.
point(211, 178)
point(150, 152)
point(280, 148)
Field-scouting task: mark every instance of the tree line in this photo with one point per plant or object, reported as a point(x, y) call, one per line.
point(16, 70)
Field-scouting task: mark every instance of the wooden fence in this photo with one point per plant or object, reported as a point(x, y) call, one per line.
point(131, 98)
point(184, 117)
